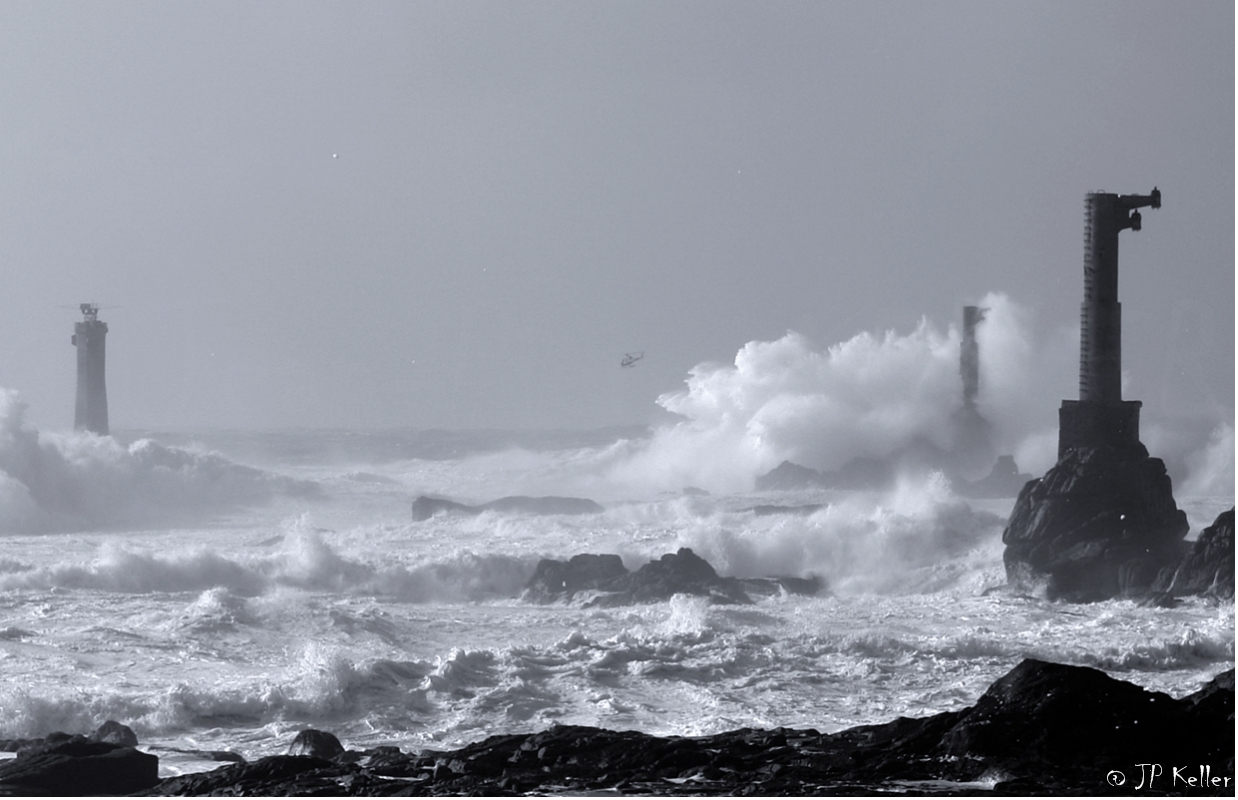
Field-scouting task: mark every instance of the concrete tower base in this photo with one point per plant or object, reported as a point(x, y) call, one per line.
point(1086, 424)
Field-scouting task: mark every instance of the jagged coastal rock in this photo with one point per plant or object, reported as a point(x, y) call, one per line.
point(77, 765)
point(1207, 568)
point(1043, 728)
point(425, 507)
point(609, 583)
point(1101, 523)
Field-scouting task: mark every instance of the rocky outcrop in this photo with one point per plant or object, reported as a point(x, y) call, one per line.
point(426, 507)
point(316, 744)
point(75, 765)
point(609, 583)
point(1208, 567)
point(1101, 523)
point(1041, 729)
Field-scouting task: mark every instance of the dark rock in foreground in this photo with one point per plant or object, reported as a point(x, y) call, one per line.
point(316, 744)
point(1208, 567)
point(75, 765)
point(683, 572)
point(1041, 729)
point(426, 507)
point(1101, 523)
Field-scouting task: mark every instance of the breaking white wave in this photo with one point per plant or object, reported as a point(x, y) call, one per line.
point(78, 480)
point(871, 396)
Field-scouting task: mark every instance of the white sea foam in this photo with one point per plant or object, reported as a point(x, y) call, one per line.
point(81, 481)
point(339, 612)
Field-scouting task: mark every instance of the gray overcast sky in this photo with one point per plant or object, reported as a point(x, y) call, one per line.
point(526, 191)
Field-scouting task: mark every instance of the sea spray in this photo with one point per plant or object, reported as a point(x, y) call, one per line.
point(872, 396)
point(82, 481)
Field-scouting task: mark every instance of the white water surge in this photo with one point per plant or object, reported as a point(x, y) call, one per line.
point(218, 591)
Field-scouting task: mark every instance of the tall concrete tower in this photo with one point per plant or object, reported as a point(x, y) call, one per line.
point(1100, 416)
point(90, 337)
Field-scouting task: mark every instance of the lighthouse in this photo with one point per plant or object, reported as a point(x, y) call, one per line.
point(90, 338)
point(1100, 417)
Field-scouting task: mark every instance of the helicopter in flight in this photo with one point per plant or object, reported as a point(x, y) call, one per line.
point(630, 359)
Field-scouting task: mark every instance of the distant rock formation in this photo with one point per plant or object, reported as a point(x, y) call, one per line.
point(789, 476)
point(684, 572)
point(872, 474)
point(1101, 523)
point(801, 510)
point(859, 473)
point(425, 507)
point(1042, 729)
point(1207, 568)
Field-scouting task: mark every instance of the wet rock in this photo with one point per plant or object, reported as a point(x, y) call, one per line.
point(1041, 729)
point(426, 507)
point(1101, 523)
point(1208, 567)
point(274, 776)
point(683, 572)
point(75, 766)
point(563, 580)
point(316, 744)
point(114, 732)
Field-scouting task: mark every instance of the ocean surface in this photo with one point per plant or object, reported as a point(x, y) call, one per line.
point(223, 590)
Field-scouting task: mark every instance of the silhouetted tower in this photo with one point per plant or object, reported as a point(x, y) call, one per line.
point(969, 354)
point(972, 450)
point(1100, 416)
point(90, 336)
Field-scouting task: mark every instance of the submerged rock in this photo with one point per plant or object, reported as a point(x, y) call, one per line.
point(1101, 523)
point(1041, 729)
point(426, 507)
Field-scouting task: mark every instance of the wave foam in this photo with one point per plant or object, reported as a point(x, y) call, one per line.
point(78, 480)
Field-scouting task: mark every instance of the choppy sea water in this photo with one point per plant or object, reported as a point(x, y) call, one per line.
point(220, 591)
